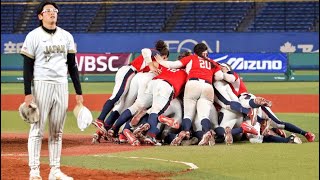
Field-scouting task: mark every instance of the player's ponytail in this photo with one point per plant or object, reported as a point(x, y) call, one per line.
point(199, 49)
point(162, 47)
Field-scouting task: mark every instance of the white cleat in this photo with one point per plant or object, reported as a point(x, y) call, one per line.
point(56, 174)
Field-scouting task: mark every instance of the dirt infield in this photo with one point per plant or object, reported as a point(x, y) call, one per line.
point(14, 160)
point(281, 103)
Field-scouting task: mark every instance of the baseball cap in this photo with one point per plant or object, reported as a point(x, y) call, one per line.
point(83, 116)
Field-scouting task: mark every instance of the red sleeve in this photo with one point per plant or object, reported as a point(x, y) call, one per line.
point(236, 75)
point(186, 60)
point(216, 68)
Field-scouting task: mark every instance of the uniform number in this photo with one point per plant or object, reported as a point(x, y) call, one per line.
point(205, 64)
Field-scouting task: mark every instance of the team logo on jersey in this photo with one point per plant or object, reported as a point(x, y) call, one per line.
point(50, 50)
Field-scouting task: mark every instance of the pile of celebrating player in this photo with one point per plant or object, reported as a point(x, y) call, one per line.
point(191, 101)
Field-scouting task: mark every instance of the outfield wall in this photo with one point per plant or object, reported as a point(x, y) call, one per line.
point(254, 67)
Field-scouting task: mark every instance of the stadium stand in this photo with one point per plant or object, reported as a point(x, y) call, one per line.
point(10, 15)
point(212, 17)
point(121, 16)
point(286, 16)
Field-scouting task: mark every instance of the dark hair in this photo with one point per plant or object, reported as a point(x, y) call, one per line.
point(162, 47)
point(42, 4)
point(199, 49)
point(184, 54)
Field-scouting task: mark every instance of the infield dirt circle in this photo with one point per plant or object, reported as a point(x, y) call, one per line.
point(14, 159)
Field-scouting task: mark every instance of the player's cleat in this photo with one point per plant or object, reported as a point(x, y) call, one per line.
point(122, 138)
point(177, 140)
point(246, 128)
point(169, 122)
point(262, 102)
point(131, 138)
point(150, 140)
point(138, 132)
point(110, 134)
point(35, 178)
point(96, 137)
point(188, 142)
point(310, 136)
point(279, 132)
point(56, 174)
point(212, 141)
point(206, 138)
point(136, 118)
point(265, 126)
point(228, 139)
point(35, 174)
point(294, 139)
point(100, 125)
point(252, 116)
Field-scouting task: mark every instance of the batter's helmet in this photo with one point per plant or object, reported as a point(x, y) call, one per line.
point(83, 115)
point(29, 114)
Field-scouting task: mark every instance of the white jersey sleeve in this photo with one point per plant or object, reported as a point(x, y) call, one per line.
point(28, 47)
point(71, 47)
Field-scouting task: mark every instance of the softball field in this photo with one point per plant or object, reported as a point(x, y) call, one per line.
point(296, 102)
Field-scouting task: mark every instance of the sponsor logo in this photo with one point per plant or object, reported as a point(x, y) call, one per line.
point(239, 63)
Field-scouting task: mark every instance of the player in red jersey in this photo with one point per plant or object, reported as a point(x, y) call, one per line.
point(198, 94)
point(159, 92)
point(124, 75)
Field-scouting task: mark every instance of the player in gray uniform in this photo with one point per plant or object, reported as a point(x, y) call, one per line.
point(49, 53)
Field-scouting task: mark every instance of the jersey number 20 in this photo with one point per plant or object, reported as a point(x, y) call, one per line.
point(205, 64)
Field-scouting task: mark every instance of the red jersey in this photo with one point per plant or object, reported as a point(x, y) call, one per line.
point(176, 77)
point(140, 64)
point(197, 67)
point(238, 86)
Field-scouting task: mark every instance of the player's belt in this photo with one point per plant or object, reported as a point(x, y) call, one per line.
point(133, 68)
point(198, 79)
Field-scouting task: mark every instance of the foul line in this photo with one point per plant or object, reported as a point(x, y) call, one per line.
point(191, 165)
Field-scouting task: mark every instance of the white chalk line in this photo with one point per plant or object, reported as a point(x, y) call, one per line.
point(8, 155)
point(191, 165)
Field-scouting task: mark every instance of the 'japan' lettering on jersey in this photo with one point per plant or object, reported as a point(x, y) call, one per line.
point(50, 53)
point(140, 64)
point(238, 86)
point(176, 77)
point(198, 67)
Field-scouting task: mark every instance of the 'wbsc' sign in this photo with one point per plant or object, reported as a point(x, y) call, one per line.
point(101, 63)
point(254, 62)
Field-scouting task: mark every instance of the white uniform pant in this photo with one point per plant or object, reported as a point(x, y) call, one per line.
point(157, 95)
point(198, 97)
point(137, 88)
point(52, 100)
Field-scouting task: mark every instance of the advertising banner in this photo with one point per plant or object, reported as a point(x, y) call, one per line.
point(253, 62)
point(264, 42)
point(101, 63)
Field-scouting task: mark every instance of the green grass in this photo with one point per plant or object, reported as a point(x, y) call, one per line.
point(238, 161)
point(253, 87)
